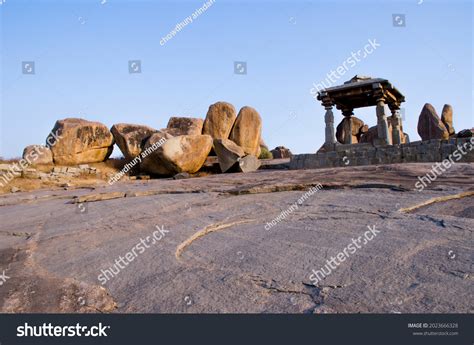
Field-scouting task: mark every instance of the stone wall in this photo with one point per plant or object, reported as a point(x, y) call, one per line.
point(7, 172)
point(366, 154)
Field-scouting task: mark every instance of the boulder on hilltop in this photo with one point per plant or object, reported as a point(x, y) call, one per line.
point(76, 141)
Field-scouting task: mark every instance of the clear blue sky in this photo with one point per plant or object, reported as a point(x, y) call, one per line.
point(81, 51)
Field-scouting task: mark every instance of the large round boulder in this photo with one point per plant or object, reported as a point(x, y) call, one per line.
point(130, 138)
point(184, 126)
point(350, 126)
point(219, 120)
point(184, 153)
point(247, 131)
point(281, 152)
point(38, 154)
point(76, 141)
point(151, 161)
point(447, 118)
point(430, 125)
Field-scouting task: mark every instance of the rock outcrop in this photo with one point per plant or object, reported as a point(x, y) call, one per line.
point(247, 130)
point(130, 138)
point(184, 153)
point(281, 152)
point(181, 147)
point(447, 118)
point(430, 125)
point(228, 153)
point(77, 141)
point(152, 162)
point(465, 133)
point(184, 126)
point(372, 135)
point(219, 120)
point(248, 163)
point(350, 126)
point(38, 154)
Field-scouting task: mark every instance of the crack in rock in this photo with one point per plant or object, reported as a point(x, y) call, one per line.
point(208, 229)
point(436, 200)
point(273, 286)
point(118, 195)
point(265, 188)
point(317, 294)
point(438, 222)
point(26, 235)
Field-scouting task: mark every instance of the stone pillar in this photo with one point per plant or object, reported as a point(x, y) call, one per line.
point(396, 126)
point(382, 125)
point(330, 139)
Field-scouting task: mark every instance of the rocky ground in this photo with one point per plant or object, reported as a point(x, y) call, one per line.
point(219, 257)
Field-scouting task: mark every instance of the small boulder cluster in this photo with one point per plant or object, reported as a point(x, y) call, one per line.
point(186, 142)
point(359, 132)
point(182, 147)
point(431, 126)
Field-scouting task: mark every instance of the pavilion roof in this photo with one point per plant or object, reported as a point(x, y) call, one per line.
point(361, 92)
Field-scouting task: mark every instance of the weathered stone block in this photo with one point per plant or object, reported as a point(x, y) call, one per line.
point(423, 149)
point(30, 173)
point(73, 170)
point(342, 154)
point(375, 160)
point(362, 161)
point(422, 158)
point(446, 150)
point(469, 157)
point(396, 159)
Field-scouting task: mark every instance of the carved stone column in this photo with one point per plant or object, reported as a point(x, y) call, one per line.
point(382, 125)
point(330, 139)
point(396, 126)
